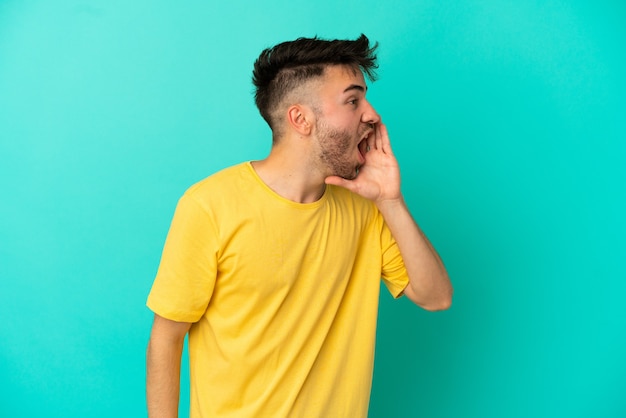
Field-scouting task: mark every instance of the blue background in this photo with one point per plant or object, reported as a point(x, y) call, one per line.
point(509, 120)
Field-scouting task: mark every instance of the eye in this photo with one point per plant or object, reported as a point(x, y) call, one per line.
point(353, 102)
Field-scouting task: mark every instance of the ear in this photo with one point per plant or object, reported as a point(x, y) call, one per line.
point(301, 119)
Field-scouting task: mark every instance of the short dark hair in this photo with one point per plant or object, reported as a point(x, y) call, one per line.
point(282, 68)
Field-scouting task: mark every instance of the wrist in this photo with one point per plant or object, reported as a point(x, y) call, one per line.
point(391, 205)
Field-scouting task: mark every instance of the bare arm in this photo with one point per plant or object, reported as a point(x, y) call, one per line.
point(379, 180)
point(163, 366)
point(429, 285)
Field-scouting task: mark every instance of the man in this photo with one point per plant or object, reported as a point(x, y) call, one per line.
point(273, 266)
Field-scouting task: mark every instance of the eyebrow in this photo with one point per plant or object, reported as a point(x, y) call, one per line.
point(355, 87)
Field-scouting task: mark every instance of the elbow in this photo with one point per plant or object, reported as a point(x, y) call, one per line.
point(441, 304)
point(444, 302)
point(436, 301)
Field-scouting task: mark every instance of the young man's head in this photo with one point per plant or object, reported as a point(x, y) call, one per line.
point(286, 73)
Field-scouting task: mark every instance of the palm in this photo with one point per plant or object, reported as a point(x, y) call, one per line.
point(379, 178)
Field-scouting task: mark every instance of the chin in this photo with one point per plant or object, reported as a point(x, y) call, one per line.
point(344, 169)
point(349, 175)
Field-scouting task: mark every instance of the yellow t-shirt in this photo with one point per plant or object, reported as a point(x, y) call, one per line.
point(283, 297)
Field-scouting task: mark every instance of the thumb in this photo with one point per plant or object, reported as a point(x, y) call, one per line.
point(340, 181)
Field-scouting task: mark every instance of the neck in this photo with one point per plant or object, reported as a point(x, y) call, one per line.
point(289, 172)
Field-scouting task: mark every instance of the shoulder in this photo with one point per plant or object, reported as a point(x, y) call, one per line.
point(351, 201)
point(218, 189)
point(218, 178)
point(343, 194)
point(225, 182)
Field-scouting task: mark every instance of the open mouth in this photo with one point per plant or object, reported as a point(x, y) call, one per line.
point(363, 147)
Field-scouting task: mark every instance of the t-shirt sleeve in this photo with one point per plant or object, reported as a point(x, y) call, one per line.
point(186, 276)
point(394, 272)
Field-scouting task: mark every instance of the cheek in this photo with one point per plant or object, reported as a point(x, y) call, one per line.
point(346, 143)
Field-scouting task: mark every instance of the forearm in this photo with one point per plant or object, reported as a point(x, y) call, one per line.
point(163, 375)
point(429, 284)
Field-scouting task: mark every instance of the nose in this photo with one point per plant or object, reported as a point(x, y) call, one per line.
point(370, 115)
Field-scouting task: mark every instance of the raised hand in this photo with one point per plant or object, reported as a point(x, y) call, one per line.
point(379, 178)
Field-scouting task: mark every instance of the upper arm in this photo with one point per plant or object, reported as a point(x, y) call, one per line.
point(410, 294)
point(441, 303)
point(187, 272)
point(166, 330)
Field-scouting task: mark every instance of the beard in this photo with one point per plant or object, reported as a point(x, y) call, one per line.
point(337, 148)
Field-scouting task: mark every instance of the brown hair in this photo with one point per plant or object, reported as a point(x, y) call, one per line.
point(281, 69)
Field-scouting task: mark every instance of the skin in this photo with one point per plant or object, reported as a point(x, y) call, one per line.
point(322, 143)
point(346, 118)
point(163, 366)
point(336, 146)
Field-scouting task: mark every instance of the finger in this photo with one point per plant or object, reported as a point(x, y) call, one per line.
point(371, 140)
point(384, 139)
point(378, 136)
